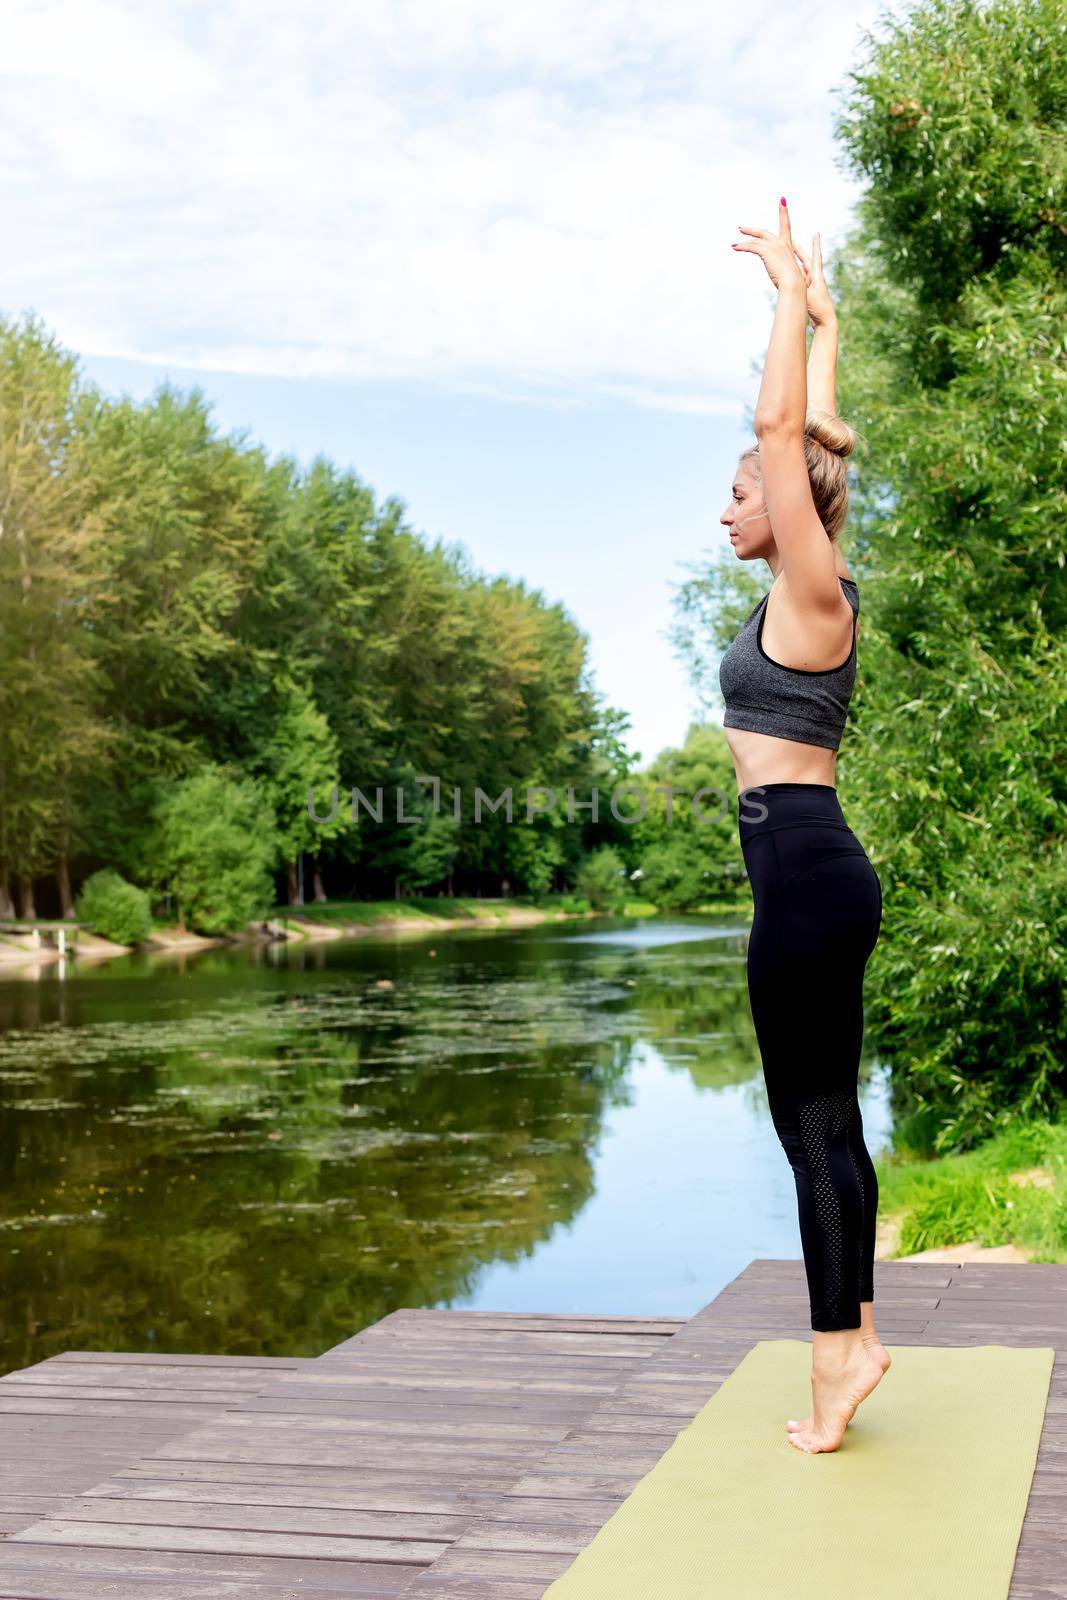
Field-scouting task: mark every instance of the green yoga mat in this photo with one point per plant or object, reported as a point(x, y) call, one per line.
point(924, 1498)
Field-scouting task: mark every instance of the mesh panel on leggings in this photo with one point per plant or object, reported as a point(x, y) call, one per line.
point(856, 1143)
point(854, 1132)
point(823, 1120)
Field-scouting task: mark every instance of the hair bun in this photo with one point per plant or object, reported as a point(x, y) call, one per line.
point(833, 433)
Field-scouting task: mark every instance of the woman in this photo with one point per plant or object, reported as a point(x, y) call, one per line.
point(786, 681)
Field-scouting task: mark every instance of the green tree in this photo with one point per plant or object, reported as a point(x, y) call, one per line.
point(51, 733)
point(689, 856)
point(300, 760)
point(413, 845)
point(213, 846)
point(603, 879)
point(953, 294)
point(535, 850)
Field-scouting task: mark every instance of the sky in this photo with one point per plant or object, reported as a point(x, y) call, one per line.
point(479, 252)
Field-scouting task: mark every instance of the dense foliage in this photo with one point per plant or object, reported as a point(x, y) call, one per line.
point(113, 908)
point(194, 639)
point(953, 315)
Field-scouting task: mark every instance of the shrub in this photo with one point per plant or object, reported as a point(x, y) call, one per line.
point(602, 879)
point(114, 909)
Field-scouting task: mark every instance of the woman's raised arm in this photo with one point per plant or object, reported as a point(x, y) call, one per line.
point(806, 553)
point(822, 357)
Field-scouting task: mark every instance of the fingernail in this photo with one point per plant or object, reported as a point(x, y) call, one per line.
point(783, 199)
point(734, 247)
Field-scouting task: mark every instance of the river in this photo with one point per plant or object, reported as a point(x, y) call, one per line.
point(260, 1151)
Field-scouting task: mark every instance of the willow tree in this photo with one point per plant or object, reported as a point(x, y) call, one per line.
point(954, 303)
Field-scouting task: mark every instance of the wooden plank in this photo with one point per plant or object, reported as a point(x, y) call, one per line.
point(490, 1370)
point(400, 1477)
point(497, 1564)
point(106, 1374)
point(47, 1406)
point(201, 1570)
point(207, 1401)
point(886, 1292)
point(268, 1365)
point(552, 1383)
point(396, 1498)
point(77, 1586)
point(552, 1322)
point(218, 1514)
point(473, 1341)
point(394, 1423)
point(224, 1541)
point(355, 1458)
point(792, 1268)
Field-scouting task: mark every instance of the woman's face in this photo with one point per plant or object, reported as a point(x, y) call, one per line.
point(746, 517)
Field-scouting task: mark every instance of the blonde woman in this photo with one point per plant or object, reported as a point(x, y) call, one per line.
point(786, 682)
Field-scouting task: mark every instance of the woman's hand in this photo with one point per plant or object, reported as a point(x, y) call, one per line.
point(776, 251)
point(820, 306)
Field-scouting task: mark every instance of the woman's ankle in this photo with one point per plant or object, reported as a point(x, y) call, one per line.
point(836, 1347)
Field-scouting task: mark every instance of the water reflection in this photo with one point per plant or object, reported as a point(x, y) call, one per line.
point(263, 1154)
point(648, 934)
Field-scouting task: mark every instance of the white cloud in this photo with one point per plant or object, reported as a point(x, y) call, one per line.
point(531, 199)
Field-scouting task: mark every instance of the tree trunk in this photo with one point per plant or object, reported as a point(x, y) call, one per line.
point(293, 882)
point(450, 891)
point(27, 905)
point(396, 888)
point(318, 890)
point(66, 899)
point(7, 905)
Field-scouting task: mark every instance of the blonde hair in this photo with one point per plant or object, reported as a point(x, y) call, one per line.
point(827, 441)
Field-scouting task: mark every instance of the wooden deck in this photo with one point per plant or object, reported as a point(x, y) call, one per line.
point(462, 1455)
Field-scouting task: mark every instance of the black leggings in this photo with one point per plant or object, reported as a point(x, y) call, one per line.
point(818, 910)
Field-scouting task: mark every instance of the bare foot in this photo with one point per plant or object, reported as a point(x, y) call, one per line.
point(837, 1387)
point(877, 1349)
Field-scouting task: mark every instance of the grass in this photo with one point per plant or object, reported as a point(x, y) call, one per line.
point(1010, 1190)
point(465, 908)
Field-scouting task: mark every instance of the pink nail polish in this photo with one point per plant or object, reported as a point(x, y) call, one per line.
point(783, 199)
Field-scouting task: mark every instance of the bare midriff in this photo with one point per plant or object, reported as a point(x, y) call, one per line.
point(761, 758)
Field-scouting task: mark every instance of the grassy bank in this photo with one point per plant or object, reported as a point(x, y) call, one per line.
point(431, 909)
point(338, 918)
point(461, 908)
point(1010, 1190)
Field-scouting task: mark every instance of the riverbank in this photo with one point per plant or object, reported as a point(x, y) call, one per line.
point(1005, 1200)
point(346, 919)
point(355, 919)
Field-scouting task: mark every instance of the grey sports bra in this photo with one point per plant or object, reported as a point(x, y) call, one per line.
point(763, 696)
